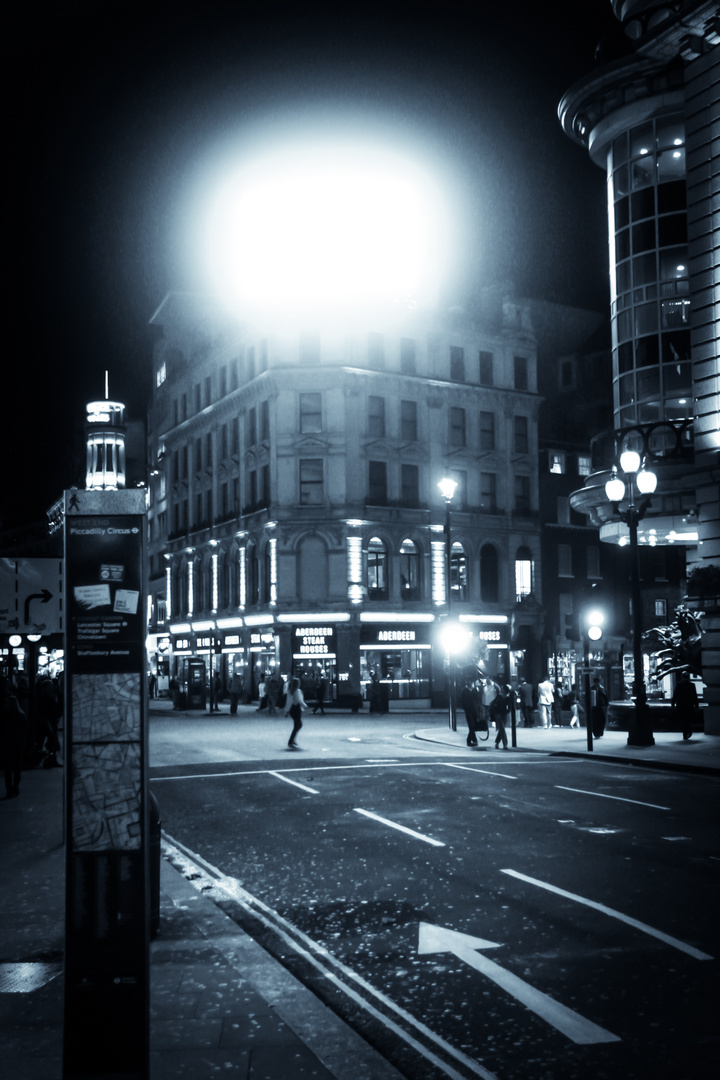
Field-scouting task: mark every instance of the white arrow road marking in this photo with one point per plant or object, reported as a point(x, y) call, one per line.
point(675, 942)
point(401, 828)
point(433, 939)
point(295, 783)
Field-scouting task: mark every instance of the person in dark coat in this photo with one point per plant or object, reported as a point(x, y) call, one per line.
point(599, 700)
point(14, 733)
point(470, 703)
point(320, 692)
point(685, 703)
point(499, 709)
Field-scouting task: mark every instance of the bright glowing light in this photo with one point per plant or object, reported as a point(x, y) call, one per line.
point(594, 633)
point(630, 461)
point(615, 489)
point(447, 488)
point(325, 225)
point(454, 638)
point(646, 482)
point(595, 617)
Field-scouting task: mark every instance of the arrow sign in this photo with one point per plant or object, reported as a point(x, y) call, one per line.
point(432, 939)
point(45, 595)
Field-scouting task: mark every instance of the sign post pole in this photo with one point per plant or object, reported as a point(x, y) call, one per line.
point(107, 910)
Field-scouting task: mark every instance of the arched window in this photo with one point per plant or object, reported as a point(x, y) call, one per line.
point(377, 569)
point(489, 574)
point(458, 572)
point(523, 573)
point(312, 569)
point(223, 580)
point(253, 577)
point(409, 571)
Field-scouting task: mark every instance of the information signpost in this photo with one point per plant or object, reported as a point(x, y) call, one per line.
point(106, 1024)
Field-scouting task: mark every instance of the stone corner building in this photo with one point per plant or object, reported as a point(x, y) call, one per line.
point(295, 519)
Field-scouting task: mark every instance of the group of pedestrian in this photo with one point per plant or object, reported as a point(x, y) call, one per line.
point(487, 702)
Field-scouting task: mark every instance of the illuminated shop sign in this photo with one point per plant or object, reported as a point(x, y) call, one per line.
point(232, 639)
point(182, 643)
point(314, 642)
point(389, 638)
point(489, 635)
point(267, 638)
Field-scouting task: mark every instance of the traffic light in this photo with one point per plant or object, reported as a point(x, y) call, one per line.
point(593, 621)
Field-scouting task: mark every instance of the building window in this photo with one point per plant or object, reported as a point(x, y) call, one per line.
point(161, 374)
point(377, 569)
point(584, 464)
point(556, 461)
point(520, 431)
point(458, 572)
point(208, 450)
point(377, 483)
point(408, 421)
point(409, 571)
point(222, 381)
point(592, 556)
point(208, 390)
point(196, 390)
point(309, 349)
point(223, 442)
point(457, 427)
point(489, 574)
point(486, 368)
point(376, 416)
point(251, 429)
point(265, 493)
point(250, 363)
point(407, 356)
point(520, 369)
point(311, 482)
point(522, 494)
point(253, 489)
point(376, 351)
point(487, 431)
point(198, 455)
point(523, 573)
point(410, 485)
point(312, 569)
point(457, 363)
point(661, 609)
point(488, 492)
point(264, 421)
point(564, 560)
point(310, 413)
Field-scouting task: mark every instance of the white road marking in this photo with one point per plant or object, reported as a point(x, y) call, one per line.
point(579, 1029)
point(401, 828)
point(618, 798)
point(285, 929)
point(303, 768)
point(674, 942)
point(295, 783)
point(471, 768)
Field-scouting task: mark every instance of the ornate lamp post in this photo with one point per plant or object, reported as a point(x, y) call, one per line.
point(643, 482)
point(447, 490)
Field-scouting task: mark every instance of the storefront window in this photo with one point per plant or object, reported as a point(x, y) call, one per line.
point(458, 572)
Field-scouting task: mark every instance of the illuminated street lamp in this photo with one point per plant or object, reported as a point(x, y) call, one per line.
point(643, 482)
point(592, 622)
point(447, 490)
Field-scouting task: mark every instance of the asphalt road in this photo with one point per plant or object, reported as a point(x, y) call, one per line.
point(492, 914)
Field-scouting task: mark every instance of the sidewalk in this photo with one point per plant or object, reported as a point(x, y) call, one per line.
point(219, 1003)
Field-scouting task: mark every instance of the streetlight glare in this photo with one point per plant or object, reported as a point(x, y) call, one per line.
point(327, 227)
point(630, 461)
point(447, 488)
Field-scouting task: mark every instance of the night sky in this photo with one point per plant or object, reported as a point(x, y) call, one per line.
point(121, 111)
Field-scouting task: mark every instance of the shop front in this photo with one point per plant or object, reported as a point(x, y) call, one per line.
point(262, 646)
point(314, 655)
point(395, 665)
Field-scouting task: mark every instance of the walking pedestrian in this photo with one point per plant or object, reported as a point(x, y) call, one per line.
point(236, 689)
point(685, 704)
point(296, 704)
point(499, 710)
point(470, 704)
point(574, 705)
point(546, 697)
point(599, 704)
point(262, 694)
point(274, 689)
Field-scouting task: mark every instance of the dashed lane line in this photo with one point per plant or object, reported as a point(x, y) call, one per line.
point(400, 828)
point(295, 783)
